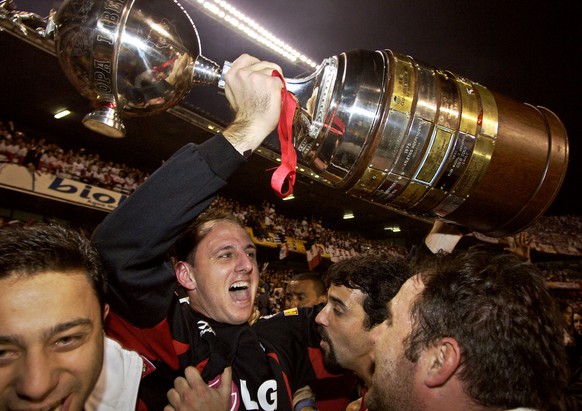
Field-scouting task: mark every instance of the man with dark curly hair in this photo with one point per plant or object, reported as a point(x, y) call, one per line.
point(358, 290)
point(472, 330)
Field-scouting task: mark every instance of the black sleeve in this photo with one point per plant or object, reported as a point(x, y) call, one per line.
point(134, 238)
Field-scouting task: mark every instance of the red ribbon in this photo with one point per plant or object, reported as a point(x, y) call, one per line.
point(286, 171)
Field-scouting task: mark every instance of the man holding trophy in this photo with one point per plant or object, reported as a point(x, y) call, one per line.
point(214, 261)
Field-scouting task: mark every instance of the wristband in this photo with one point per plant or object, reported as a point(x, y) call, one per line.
point(307, 402)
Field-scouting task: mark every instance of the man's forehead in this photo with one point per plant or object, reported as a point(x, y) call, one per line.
point(46, 279)
point(348, 296)
point(222, 224)
point(47, 303)
point(407, 293)
point(301, 283)
point(224, 230)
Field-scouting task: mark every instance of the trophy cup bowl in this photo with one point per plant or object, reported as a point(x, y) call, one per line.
point(379, 125)
point(129, 58)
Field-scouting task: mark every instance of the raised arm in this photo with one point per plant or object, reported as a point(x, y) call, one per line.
point(135, 238)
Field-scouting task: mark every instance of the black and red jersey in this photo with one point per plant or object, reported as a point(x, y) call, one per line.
point(270, 360)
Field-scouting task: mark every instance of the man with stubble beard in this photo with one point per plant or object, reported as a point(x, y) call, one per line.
point(359, 289)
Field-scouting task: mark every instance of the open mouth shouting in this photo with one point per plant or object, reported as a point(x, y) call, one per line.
point(240, 291)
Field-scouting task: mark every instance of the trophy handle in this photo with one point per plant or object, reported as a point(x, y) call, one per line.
point(207, 73)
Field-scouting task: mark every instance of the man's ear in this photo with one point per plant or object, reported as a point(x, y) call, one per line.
point(442, 361)
point(105, 311)
point(184, 275)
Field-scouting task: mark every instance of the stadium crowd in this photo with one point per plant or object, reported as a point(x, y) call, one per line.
point(550, 234)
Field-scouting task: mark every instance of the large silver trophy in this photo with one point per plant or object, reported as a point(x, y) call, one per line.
point(378, 125)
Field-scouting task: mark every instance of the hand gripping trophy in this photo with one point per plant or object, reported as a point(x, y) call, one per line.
point(379, 125)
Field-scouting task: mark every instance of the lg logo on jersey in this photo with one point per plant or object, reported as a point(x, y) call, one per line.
point(266, 398)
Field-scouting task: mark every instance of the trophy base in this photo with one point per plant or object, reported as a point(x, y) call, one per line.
point(106, 121)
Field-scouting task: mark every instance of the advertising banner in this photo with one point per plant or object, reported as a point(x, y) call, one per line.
point(19, 178)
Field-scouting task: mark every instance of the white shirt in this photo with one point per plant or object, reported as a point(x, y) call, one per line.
point(116, 389)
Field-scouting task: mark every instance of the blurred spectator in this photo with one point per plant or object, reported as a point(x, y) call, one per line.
point(263, 302)
point(305, 290)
